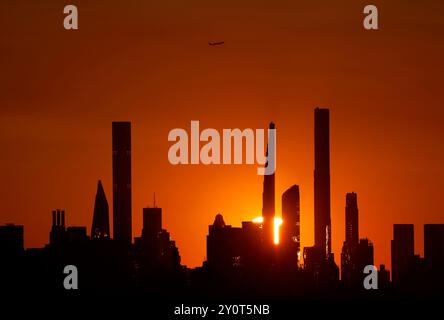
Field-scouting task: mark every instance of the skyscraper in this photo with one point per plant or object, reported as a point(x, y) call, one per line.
point(434, 247)
point(100, 224)
point(322, 182)
point(152, 222)
point(224, 245)
point(268, 203)
point(290, 230)
point(122, 182)
point(403, 254)
point(152, 227)
point(356, 254)
point(155, 247)
point(351, 219)
point(363, 255)
point(319, 260)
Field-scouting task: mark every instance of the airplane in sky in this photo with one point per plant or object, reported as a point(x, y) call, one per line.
point(216, 43)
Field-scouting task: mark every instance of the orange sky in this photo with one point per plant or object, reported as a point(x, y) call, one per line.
point(149, 62)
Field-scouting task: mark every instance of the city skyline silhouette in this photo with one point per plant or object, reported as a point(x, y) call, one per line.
point(152, 65)
point(246, 260)
point(103, 217)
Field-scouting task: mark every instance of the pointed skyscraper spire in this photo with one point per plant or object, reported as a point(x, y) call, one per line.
point(100, 224)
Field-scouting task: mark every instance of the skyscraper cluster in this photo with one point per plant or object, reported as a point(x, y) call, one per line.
point(244, 260)
point(409, 270)
point(152, 258)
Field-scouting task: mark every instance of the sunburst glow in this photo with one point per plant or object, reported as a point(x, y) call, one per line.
point(276, 225)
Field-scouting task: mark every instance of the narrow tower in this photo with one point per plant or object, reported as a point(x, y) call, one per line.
point(122, 182)
point(268, 203)
point(322, 182)
point(290, 230)
point(351, 219)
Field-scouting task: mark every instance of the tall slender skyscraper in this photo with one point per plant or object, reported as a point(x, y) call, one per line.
point(268, 203)
point(322, 182)
point(351, 219)
point(100, 224)
point(290, 230)
point(356, 254)
point(122, 182)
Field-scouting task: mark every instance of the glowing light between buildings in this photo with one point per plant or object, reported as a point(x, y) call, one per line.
point(276, 225)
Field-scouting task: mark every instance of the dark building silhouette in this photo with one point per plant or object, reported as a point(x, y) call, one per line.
point(155, 247)
point(313, 259)
point(60, 236)
point(403, 255)
point(152, 222)
point(152, 227)
point(11, 240)
point(363, 257)
point(383, 278)
point(434, 251)
point(122, 182)
point(290, 239)
point(169, 253)
point(356, 254)
point(13, 267)
point(319, 260)
point(57, 234)
point(100, 224)
point(322, 181)
point(237, 266)
point(434, 245)
point(252, 253)
point(268, 204)
point(223, 247)
point(347, 264)
point(234, 252)
point(351, 219)
point(76, 234)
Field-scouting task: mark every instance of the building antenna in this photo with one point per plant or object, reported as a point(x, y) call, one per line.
point(154, 202)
